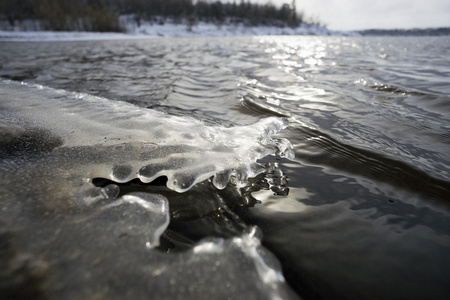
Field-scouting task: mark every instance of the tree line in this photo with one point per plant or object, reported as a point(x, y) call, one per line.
point(103, 15)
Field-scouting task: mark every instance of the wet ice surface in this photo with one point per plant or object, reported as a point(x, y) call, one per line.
point(93, 241)
point(120, 142)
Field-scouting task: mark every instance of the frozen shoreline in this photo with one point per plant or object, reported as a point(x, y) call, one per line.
point(169, 29)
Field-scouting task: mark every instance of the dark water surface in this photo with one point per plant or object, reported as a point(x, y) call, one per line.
point(368, 210)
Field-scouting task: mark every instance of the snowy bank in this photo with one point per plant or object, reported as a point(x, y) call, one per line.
point(168, 29)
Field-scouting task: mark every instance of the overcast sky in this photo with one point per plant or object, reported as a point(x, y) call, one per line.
point(366, 14)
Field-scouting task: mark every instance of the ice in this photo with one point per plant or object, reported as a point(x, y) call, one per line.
point(107, 255)
point(86, 137)
point(239, 264)
point(66, 237)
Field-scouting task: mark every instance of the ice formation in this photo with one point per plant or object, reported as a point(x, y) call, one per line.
point(54, 219)
point(108, 251)
point(100, 138)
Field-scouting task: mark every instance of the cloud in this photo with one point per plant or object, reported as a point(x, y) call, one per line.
point(357, 14)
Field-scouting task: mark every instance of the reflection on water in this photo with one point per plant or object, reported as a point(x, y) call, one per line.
point(291, 205)
point(365, 214)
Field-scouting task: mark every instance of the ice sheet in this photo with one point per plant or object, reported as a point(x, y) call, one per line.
point(90, 137)
point(63, 236)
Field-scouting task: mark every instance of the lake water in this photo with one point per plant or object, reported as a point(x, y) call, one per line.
point(365, 212)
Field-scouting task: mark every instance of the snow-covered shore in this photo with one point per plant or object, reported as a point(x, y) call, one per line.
point(168, 29)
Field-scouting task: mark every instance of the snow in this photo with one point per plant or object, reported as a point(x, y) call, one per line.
point(156, 30)
point(60, 36)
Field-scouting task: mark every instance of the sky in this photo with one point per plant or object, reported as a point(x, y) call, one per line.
point(379, 14)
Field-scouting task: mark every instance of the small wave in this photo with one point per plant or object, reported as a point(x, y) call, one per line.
point(389, 88)
point(250, 102)
point(319, 148)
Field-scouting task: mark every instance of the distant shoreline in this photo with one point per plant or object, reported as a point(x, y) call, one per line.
point(443, 31)
point(29, 31)
point(170, 28)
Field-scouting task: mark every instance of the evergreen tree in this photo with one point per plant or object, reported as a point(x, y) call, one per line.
point(102, 15)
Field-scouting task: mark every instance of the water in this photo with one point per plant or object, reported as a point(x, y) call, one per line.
point(367, 213)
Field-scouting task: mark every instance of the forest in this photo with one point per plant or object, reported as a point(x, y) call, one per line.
point(103, 15)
